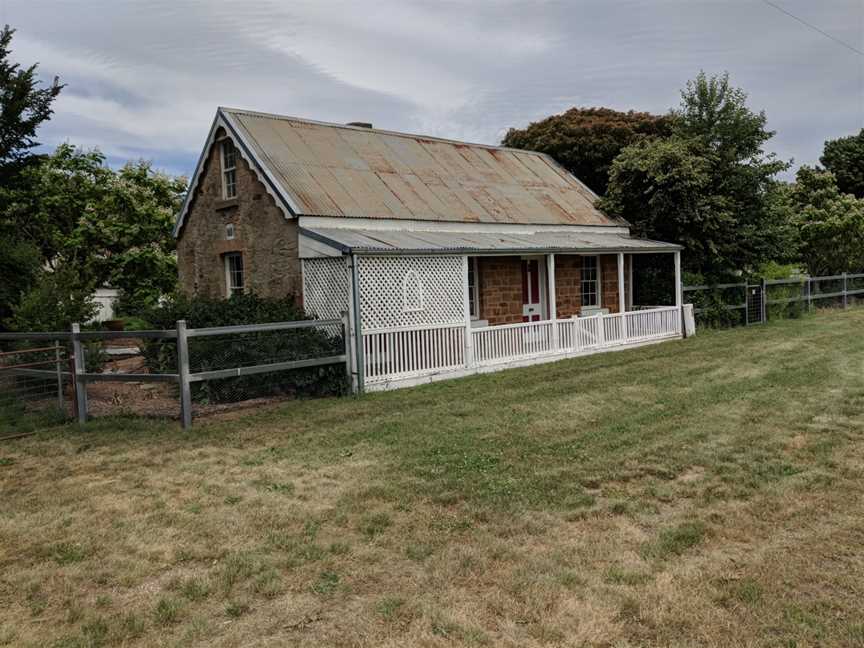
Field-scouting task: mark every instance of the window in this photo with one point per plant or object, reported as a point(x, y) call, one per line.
point(412, 292)
point(229, 169)
point(235, 279)
point(590, 281)
point(229, 232)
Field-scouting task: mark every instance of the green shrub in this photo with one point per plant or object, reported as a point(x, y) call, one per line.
point(247, 349)
point(200, 312)
point(53, 303)
point(713, 306)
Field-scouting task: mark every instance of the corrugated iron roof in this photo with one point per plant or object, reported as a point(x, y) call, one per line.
point(370, 241)
point(350, 171)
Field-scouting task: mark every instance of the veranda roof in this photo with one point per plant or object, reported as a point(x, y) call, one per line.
point(367, 241)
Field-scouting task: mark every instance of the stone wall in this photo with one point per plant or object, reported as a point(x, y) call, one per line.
point(568, 294)
point(609, 279)
point(267, 240)
point(500, 284)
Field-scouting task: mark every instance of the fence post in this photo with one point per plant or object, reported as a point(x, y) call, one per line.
point(764, 297)
point(346, 337)
point(746, 304)
point(845, 293)
point(601, 328)
point(553, 301)
point(183, 374)
point(809, 294)
point(59, 375)
point(80, 368)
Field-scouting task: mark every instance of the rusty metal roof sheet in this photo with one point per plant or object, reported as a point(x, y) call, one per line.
point(369, 241)
point(337, 170)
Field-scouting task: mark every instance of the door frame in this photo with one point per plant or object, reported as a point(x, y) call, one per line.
point(542, 282)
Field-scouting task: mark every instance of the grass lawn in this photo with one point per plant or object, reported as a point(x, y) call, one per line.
point(701, 492)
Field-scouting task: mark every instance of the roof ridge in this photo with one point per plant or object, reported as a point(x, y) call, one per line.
point(383, 131)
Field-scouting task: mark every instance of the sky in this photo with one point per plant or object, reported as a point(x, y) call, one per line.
point(144, 77)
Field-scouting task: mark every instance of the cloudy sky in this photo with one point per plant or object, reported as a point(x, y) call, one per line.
point(144, 77)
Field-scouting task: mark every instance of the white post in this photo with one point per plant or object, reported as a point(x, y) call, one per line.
point(630, 293)
point(353, 341)
point(622, 299)
point(466, 301)
point(553, 304)
point(358, 326)
point(679, 295)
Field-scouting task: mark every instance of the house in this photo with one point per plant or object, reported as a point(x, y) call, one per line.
point(449, 258)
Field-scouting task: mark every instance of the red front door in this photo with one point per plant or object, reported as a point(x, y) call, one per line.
point(530, 290)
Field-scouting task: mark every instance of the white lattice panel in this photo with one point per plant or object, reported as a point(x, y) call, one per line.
point(410, 291)
point(325, 287)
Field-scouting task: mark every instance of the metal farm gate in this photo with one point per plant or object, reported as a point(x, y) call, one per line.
point(754, 313)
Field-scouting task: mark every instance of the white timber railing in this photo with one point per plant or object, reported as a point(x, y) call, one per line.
point(396, 354)
point(406, 352)
point(507, 342)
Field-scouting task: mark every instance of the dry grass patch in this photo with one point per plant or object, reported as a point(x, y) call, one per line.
point(709, 492)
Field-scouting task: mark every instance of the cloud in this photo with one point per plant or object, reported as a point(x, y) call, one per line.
point(144, 78)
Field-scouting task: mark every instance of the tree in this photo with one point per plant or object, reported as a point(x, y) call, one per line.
point(708, 185)
point(112, 227)
point(24, 106)
point(844, 157)
point(20, 264)
point(586, 140)
point(831, 223)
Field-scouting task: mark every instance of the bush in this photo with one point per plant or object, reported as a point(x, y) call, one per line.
point(714, 311)
point(247, 349)
point(53, 304)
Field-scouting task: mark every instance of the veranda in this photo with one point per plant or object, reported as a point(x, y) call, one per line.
point(416, 318)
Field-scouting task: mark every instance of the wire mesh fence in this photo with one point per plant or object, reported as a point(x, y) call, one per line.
point(167, 373)
point(722, 305)
point(755, 302)
point(135, 356)
point(246, 349)
point(35, 387)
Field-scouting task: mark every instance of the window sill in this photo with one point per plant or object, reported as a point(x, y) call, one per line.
point(226, 203)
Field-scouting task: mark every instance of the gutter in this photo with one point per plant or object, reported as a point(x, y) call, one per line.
point(346, 249)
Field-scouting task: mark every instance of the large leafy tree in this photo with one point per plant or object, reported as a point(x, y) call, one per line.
point(844, 157)
point(586, 140)
point(708, 185)
point(830, 223)
point(112, 227)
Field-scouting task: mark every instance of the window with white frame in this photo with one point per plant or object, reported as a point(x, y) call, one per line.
point(235, 276)
point(473, 288)
point(590, 281)
point(229, 169)
point(412, 292)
